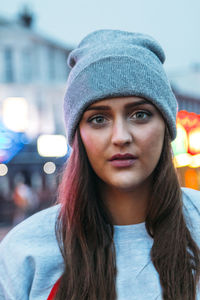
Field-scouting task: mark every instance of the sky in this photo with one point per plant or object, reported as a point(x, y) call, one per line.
point(174, 23)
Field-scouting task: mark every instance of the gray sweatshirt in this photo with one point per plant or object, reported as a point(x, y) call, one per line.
point(31, 262)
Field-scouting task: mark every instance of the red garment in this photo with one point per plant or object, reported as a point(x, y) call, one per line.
point(54, 290)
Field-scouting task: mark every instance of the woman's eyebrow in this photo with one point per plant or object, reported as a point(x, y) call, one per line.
point(102, 107)
point(129, 105)
point(133, 104)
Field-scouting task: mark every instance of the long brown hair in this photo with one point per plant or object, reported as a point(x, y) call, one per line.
point(85, 233)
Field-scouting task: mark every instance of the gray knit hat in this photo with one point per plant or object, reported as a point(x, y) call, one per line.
point(114, 63)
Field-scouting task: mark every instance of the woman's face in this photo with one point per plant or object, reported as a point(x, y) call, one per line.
point(123, 138)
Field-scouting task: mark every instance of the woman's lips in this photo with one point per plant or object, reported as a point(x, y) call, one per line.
point(122, 160)
point(122, 163)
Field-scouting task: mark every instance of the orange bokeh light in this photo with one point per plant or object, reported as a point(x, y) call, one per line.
point(188, 120)
point(191, 180)
point(191, 122)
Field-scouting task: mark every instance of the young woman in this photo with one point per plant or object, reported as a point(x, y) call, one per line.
point(123, 228)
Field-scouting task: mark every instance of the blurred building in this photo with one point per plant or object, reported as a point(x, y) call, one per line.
point(33, 74)
point(187, 81)
point(35, 68)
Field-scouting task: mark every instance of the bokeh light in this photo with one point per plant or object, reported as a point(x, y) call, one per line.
point(15, 114)
point(191, 179)
point(52, 145)
point(194, 141)
point(195, 161)
point(3, 169)
point(180, 144)
point(182, 160)
point(49, 167)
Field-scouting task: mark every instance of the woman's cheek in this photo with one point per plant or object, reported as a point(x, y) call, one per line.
point(152, 142)
point(92, 147)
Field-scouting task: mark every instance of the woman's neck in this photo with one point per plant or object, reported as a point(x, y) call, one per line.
point(126, 207)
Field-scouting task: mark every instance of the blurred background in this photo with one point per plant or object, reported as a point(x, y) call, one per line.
point(35, 40)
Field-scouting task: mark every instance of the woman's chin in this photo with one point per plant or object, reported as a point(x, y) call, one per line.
point(126, 186)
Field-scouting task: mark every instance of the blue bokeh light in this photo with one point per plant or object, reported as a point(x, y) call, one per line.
point(10, 143)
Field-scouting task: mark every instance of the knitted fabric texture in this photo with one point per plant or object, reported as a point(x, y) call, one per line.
point(114, 63)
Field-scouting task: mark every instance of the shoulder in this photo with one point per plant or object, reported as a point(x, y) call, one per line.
point(191, 210)
point(28, 251)
point(39, 226)
point(191, 199)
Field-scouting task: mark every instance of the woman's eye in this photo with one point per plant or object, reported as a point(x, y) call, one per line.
point(141, 115)
point(97, 120)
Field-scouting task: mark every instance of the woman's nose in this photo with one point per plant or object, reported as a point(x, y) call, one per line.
point(121, 134)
